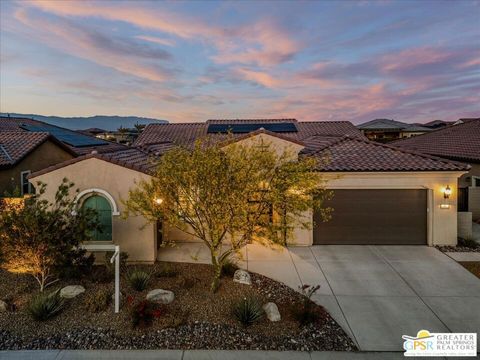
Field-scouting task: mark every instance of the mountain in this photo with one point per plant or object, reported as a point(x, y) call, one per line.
point(97, 121)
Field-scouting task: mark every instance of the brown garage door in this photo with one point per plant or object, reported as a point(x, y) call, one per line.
point(374, 217)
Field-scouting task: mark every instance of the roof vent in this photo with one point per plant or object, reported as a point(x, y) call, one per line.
point(94, 152)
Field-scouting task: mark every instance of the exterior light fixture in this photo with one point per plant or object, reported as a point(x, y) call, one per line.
point(158, 201)
point(447, 192)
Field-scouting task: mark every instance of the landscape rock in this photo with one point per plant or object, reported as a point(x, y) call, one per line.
point(161, 296)
point(271, 310)
point(71, 291)
point(3, 306)
point(242, 277)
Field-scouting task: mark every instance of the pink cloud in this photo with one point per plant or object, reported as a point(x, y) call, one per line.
point(155, 40)
point(77, 41)
point(263, 43)
point(407, 59)
point(258, 77)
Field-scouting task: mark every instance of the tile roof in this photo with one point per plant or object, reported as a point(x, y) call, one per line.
point(15, 124)
point(459, 142)
point(346, 154)
point(15, 145)
point(391, 125)
point(134, 159)
point(186, 133)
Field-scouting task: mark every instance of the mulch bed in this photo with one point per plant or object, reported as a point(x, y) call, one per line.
point(196, 319)
point(472, 266)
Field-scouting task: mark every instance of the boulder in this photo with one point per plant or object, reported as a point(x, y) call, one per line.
point(161, 296)
point(271, 310)
point(242, 277)
point(71, 291)
point(3, 306)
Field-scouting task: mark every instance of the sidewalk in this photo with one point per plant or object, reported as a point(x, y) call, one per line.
point(195, 355)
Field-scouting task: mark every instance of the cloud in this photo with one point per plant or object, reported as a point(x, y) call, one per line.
point(263, 43)
point(120, 54)
point(155, 40)
point(258, 77)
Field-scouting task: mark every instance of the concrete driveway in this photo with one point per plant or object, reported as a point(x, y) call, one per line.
point(376, 293)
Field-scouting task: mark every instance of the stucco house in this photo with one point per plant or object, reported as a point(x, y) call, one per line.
point(386, 130)
point(382, 194)
point(459, 142)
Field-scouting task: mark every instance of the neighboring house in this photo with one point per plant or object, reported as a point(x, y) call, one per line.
point(437, 124)
point(78, 142)
point(386, 130)
point(460, 142)
point(22, 153)
point(382, 195)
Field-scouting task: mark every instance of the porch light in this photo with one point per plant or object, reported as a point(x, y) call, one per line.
point(158, 201)
point(447, 192)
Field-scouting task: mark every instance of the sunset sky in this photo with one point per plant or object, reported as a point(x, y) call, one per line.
point(190, 61)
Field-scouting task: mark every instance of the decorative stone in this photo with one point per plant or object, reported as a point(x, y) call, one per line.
point(3, 306)
point(242, 277)
point(71, 291)
point(161, 296)
point(271, 310)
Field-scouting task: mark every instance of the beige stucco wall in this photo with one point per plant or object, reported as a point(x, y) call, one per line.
point(465, 224)
point(465, 180)
point(474, 202)
point(133, 235)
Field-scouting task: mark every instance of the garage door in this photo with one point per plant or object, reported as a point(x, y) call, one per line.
point(374, 217)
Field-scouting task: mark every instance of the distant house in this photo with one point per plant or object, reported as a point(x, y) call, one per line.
point(22, 153)
point(460, 142)
point(437, 124)
point(386, 130)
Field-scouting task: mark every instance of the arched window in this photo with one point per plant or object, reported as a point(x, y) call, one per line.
point(104, 211)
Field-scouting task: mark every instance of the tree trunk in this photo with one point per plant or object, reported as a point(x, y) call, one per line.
point(217, 273)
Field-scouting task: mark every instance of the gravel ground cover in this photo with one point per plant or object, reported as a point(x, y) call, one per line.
point(196, 319)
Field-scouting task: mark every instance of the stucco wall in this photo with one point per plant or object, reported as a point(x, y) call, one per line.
point(133, 235)
point(474, 202)
point(465, 180)
point(45, 155)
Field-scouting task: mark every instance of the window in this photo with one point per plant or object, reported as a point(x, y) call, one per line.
point(104, 211)
point(476, 181)
point(25, 185)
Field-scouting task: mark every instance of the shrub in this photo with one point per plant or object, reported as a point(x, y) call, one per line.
point(75, 264)
point(143, 313)
point(468, 243)
point(139, 279)
point(229, 267)
point(110, 267)
point(45, 306)
point(166, 270)
point(248, 310)
point(99, 301)
point(306, 313)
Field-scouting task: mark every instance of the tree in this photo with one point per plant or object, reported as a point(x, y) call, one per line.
point(41, 238)
point(231, 194)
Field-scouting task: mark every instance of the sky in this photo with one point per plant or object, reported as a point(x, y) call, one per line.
point(412, 61)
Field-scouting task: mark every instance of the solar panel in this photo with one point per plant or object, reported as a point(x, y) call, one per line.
point(67, 136)
point(246, 128)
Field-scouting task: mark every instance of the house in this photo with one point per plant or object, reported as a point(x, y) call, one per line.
point(382, 194)
point(459, 142)
point(22, 153)
point(78, 142)
point(385, 130)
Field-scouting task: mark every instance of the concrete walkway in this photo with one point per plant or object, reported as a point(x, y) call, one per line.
point(376, 293)
point(194, 355)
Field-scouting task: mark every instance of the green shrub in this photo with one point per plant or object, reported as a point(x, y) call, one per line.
point(110, 267)
point(166, 270)
point(138, 279)
point(468, 243)
point(248, 310)
point(45, 306)
point(229, 267)
point(99, 301)
point(306, 314)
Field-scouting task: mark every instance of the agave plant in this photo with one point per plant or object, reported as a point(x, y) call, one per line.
point(248, 310)
point(139, 279)
point(46, 305)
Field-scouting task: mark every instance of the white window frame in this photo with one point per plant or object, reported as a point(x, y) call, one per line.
point(26, 172)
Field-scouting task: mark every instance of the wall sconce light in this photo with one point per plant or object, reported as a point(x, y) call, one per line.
point(447, 192)
point(158, 201)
